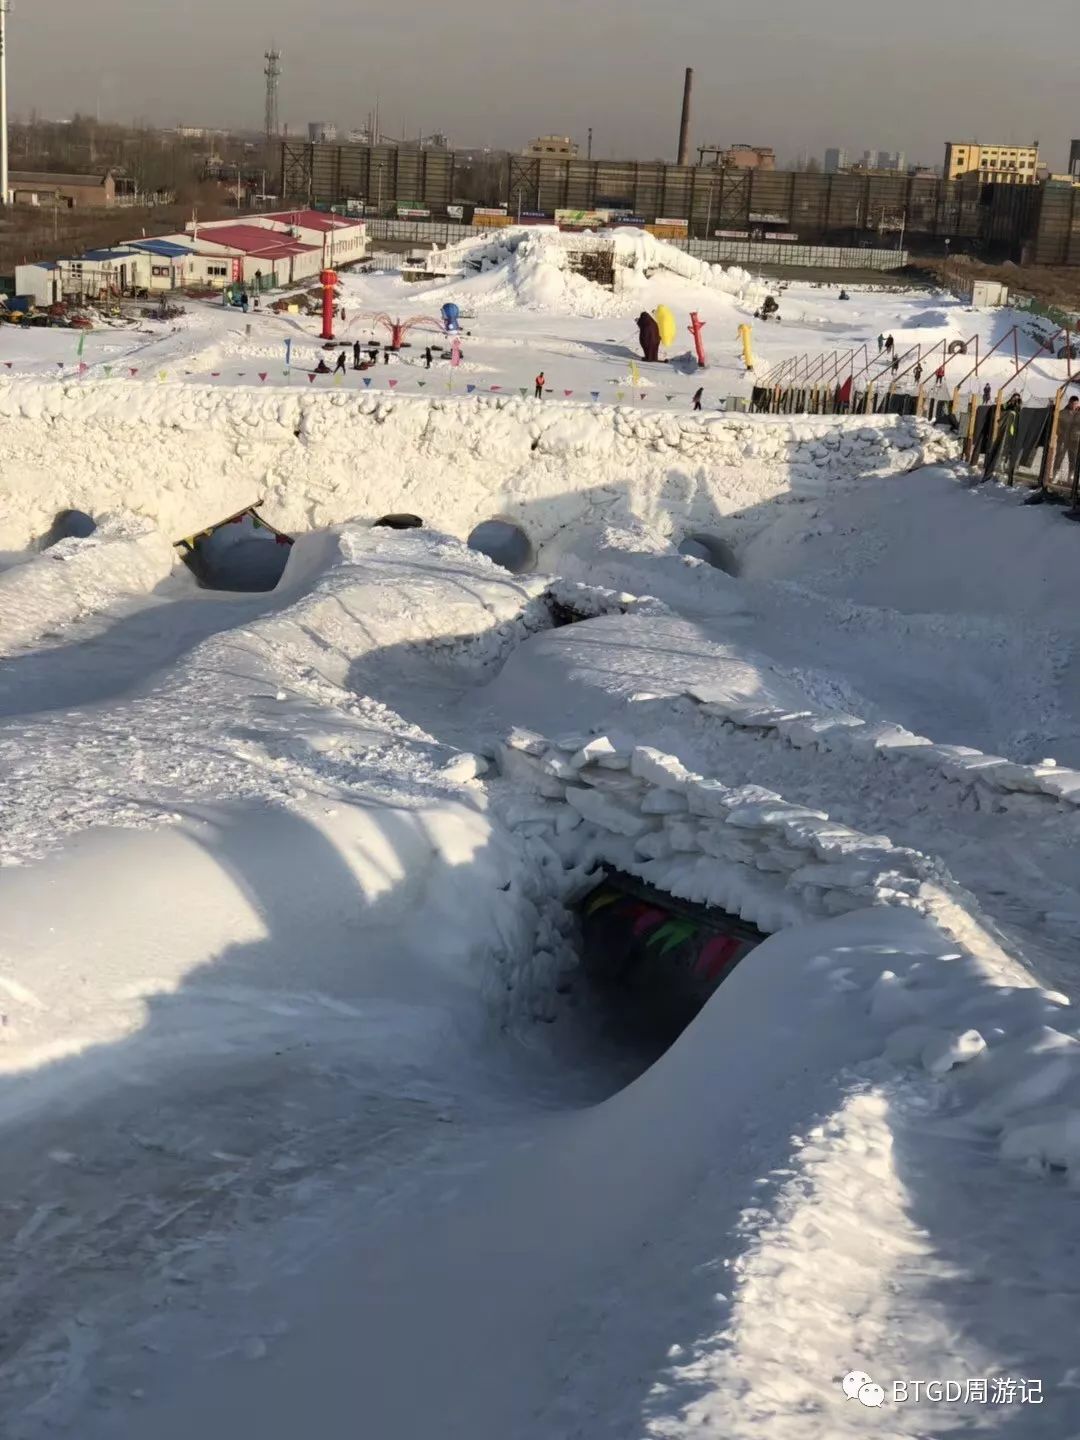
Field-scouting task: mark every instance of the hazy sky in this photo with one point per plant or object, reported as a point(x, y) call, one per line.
point(798, 77)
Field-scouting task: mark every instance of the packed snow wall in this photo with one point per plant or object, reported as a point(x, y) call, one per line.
point(184, 456)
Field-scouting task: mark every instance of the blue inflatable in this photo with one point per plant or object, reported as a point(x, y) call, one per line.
point(450, 316)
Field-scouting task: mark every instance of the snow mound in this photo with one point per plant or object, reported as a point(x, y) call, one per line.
point(530, 269)
point(316, 460)
point(78, 576)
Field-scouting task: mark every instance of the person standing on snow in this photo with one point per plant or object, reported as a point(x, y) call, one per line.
point(697, 397)
point(427, 357)
point(986, 394)
point(540, 381)
point(341, 363)
point(896, 365)
point(890, 344)
point(1068, 437)
point(916, 374)
point(939, 374)
point(356, 355)
point(880, 343)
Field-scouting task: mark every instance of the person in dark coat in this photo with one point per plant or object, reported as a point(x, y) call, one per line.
point(916, 374)
point(649, 336)
point(427, 357)
point(880, 343)
point(322, 368)
point(697, 397)
point(896, 365)
point(342, 362)
point(986, 395)
point(356, 355)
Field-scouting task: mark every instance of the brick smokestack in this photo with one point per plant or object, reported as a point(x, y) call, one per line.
point(684, 123)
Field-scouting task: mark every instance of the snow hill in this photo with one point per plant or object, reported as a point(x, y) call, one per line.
point(529, 268)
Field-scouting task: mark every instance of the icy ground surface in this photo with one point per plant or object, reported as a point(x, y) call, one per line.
point(309, 1121)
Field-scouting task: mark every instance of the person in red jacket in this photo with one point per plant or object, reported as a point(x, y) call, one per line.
point(540, 382)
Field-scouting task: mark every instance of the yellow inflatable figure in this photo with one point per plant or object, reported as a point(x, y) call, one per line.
point(745, 331)
point(665, 323)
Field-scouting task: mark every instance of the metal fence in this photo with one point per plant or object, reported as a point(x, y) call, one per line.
point(726, 252)
point(824, 257)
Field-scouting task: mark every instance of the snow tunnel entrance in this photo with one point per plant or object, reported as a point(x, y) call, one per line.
point(68, 525)
point(402, 521)
point(711, 549)
point(505, 542)
point(655, 959)
point(241, 552)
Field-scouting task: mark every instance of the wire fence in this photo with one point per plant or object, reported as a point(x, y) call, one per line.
point(727, 252)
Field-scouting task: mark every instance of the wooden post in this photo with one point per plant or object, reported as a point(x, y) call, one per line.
point(1050, 458)
point(868, 405)
point(920, 398)
point(969, 438)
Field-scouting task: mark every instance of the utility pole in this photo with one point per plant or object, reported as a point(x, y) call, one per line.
point(4, 186)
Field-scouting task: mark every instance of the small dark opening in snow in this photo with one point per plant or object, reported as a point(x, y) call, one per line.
point(403, 521)
point(69, 525)
point(711, 549)
point(656, 960)
point(238, 556)
point(504, 542)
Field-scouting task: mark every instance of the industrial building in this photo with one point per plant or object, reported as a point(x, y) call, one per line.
point(559, 145)
point(992, 164)
point(737, 157)
point(68, 192)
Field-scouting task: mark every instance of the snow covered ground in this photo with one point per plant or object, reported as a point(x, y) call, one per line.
point(309, 1120)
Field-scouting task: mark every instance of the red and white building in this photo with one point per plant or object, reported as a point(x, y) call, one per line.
point(343, 240)
point(256, 250)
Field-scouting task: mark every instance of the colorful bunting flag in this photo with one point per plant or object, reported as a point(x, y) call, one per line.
point(496, 387)
point(59, 364)
point(263, 374)
point(108, 369)
point(595, 394)
point(161, 374)
point(367, 382)
point(469, 389)
point(669, 397)
point(311, 377)
point(619, 395)
point(635, 373)
point(83, 367)
point(82, 344)
point(339, 378)
point(392, 383)
point(133, 370)
point(421, 383)
point(8, 364)
point(643, 394)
